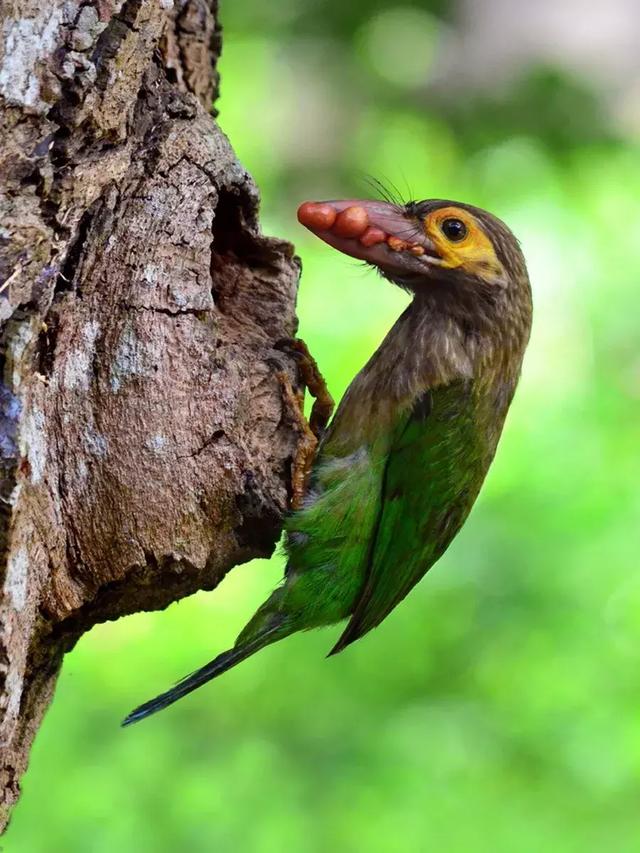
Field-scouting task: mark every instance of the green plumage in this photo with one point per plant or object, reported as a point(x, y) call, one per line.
point(430, 478)
point(384, 514)
point(401, 464)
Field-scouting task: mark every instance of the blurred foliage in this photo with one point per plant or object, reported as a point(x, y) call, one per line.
point(497, 709)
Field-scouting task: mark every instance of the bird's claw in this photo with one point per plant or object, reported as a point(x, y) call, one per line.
point(310, 431)
point(313, 380)
point(307, 444)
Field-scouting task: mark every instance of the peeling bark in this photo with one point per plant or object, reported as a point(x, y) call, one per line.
point(144, 448)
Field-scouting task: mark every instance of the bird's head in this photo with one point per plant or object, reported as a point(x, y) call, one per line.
point(453, 253)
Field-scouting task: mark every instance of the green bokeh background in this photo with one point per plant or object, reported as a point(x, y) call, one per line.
point(498, 708)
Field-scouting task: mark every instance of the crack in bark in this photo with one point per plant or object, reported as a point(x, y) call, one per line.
point(111, 38)
point(67, 273)
point(213, 438)
point(168, 312)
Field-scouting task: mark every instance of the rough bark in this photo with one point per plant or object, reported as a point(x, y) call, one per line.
point(144, 446)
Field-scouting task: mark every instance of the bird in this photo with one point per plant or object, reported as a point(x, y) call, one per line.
point(403, 459)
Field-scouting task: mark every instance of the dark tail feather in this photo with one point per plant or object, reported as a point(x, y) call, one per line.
point(213, 669)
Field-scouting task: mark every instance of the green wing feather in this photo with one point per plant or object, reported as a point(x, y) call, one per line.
point(437, 462)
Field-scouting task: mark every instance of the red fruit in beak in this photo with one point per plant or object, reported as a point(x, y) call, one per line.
point(372, 236)
point(378, 232)
point(316, 217)
point(352, 222)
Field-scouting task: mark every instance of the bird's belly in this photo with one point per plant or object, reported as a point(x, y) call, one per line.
point(327, 541)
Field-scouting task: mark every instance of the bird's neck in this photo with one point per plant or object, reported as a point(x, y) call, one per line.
point(426, 349)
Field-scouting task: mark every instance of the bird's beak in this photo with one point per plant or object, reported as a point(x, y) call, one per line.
point(378, 232)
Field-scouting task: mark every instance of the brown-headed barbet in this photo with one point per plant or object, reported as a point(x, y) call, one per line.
point(403, 459)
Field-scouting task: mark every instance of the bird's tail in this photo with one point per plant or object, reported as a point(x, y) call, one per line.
point(241, 651)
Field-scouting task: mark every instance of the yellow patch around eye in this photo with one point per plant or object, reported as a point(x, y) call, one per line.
point(474, 253)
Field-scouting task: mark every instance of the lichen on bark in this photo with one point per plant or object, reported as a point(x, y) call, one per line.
point(144, 448)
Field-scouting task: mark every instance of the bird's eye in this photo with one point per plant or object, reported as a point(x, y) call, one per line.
point(454, 230)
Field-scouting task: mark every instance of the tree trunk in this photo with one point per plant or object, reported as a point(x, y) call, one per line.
point(145, 448)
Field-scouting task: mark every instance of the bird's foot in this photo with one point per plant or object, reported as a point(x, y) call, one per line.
point(306, 450)
point(314, 381)
point(310, 431)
